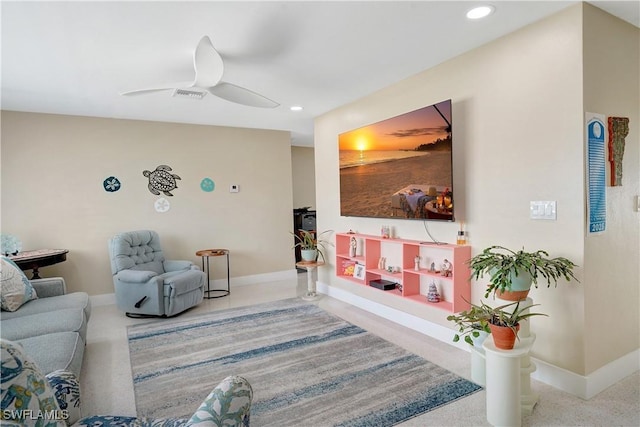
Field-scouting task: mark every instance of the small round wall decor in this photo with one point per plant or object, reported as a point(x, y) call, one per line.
point(207, 185)
point(162, 205)
point(111, 184)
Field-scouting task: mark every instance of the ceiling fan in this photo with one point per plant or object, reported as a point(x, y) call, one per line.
point(209, 69)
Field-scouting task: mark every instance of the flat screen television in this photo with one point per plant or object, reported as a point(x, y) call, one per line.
point(400, 168)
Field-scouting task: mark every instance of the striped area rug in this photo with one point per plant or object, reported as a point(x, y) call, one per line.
point(307, 367)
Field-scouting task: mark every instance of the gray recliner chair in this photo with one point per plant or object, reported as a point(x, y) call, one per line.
point(148, 285)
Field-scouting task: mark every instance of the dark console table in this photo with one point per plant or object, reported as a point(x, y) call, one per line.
point(33, 260)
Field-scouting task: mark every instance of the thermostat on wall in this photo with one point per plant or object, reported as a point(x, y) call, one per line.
point(234, 188)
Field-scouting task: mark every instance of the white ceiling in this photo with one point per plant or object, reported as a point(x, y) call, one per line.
point(76, 57)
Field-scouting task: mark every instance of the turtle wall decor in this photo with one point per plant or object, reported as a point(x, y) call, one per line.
point(161, 180)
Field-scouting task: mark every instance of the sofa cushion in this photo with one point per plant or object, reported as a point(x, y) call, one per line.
point(61, 302)
point(67, 320)
point(59, 350)
point(25, 389)
point(15, 288)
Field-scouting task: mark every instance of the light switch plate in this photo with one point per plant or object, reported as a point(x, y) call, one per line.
point(542, 209)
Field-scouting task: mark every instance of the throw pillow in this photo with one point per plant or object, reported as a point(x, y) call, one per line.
point(15, 288)
point(27, 397)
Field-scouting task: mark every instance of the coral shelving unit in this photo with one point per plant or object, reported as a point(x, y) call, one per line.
point(454, 290)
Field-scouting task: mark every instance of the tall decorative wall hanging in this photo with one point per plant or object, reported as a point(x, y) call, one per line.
point(596, 174)
point(161, 180)
point(618, 131)
point(111, 184)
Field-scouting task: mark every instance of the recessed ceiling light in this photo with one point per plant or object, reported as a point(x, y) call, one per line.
point(480, 12)
point(295, 108)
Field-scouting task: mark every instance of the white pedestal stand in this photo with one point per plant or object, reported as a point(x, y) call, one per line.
point(311, 284)
point(503, 381)
point(480, 370)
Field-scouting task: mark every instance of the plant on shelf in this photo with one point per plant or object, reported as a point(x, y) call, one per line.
point(512, 271)
point(493, 320)
point(311, 245)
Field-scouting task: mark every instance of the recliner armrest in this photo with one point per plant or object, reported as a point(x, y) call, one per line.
point(136, 276)
point(177, 265)
point(49, 287)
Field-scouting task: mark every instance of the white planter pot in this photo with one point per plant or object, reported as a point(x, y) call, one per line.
point(309, 254)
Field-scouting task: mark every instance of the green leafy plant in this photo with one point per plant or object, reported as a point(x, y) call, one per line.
point(309, 240)
point(503, 264)
point(478, 317)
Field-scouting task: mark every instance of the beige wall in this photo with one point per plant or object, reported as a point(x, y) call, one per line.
point(52, 196)
point(304, 177)
point(612, 270)
point(518, 136)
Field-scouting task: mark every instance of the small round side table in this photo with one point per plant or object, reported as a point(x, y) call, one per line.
point(310, 266)
point(206, 254)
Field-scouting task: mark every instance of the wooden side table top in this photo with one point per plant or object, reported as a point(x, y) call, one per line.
point(212, 252)
point(37, 254)
point(304, 264)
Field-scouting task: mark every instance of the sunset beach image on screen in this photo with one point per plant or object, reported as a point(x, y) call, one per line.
point(400, 167)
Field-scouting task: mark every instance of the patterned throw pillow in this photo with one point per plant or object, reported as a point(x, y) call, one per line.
point(15, 288)
point(26, 396)
point(66, 388)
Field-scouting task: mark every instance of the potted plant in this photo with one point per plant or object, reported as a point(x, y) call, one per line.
point(512, 273)
point(311, 245)
point(503, 322)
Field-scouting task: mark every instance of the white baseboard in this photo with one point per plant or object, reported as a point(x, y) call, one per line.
point(110, 299)
point(255, 279)
point(581, 386)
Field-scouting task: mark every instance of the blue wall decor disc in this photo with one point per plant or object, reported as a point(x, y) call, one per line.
point(207, 185)
point(111, 184)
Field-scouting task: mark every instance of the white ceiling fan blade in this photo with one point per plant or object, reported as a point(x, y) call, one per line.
point(240, 95)
point(208, 64)
point(170, 86)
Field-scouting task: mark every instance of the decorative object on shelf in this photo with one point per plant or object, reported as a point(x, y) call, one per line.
point(446, 270)
point(359, 272)
point(347, 267)
point(382, 261)
point(432, 268)
point(311, 245)
point(353, 247)
point(512, 273)
point(385, 231)
point(161, 205)
point(433, 295)
point(491, 320)
point(618, 131)
point(111, 184)
point(416, 263)
point(161, 180)
point(10, 244)
point(207, 185)
point(462, 238)
point(393, 269)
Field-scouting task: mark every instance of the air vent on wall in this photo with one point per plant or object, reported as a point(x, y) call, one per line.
point(193, 94)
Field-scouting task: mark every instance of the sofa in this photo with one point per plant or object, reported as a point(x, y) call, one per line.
point(30, 398)
point(50, 324)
